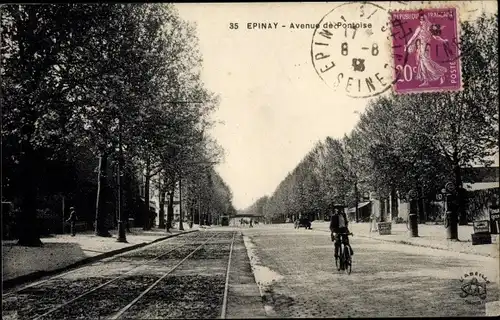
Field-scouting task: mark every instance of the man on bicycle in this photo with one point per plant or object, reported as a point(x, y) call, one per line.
point(338, 228)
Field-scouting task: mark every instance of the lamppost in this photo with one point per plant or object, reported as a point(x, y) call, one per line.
point(413, 222)
point(121, 227)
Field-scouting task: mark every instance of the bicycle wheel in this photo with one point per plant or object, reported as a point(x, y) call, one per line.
point(348, 262)
point(339, 262)
point(342, 258)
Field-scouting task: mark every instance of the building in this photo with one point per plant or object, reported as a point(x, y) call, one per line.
point(178, 201)
point(364, 211)
point(154, 198)
point(483, 190)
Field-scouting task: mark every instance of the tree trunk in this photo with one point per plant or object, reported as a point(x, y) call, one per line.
point(181, 217)
point(200, 215)
point(208, 217)
point(147, 214)
point(388, 208)
point(170, 210)
point(356, 214)
point(394, 203)
point(27, 231)
point(27, 226)
point(191, 222)
point(127, 198)
point(161, 214)
point(421, 212)
point(100, 208)
point(382, 209)
point(461, 211)
point(423, 219)
point(63, 200)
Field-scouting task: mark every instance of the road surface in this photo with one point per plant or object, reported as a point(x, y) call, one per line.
point(387, 279)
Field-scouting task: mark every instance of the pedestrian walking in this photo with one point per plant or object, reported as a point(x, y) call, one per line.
point(72, 220)
point(251, 223)
point(373, 222)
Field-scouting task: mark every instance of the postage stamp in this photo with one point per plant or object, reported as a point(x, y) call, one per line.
point(426, 50)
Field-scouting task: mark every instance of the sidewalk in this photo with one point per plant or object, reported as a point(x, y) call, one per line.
point(61, 252)
point(432, 236)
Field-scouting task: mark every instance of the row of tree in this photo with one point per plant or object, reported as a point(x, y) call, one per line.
point(404, 142)
point(209, 199)
point(106, 90)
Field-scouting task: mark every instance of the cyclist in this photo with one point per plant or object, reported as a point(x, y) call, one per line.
point(338, 228)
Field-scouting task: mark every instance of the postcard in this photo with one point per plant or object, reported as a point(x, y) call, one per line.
point(250, 160)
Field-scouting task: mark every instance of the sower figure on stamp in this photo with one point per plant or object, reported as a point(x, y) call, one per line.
point(72, 220)
point(339, 230)
point(427, 69)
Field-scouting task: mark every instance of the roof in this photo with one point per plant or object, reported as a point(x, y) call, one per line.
point(360, 205)
point(481, 186)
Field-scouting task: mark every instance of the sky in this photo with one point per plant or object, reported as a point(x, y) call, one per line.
point(273, 105)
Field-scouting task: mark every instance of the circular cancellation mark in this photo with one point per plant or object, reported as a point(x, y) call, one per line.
point(350, 50)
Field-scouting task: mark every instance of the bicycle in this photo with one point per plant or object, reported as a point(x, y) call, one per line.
point(344, 262)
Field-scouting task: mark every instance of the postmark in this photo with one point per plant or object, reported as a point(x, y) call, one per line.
point(426, 50)
point(349, 51)
point(473, 287)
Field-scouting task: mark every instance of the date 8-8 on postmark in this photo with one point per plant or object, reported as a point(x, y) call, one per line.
point(426, 51)
point(350, 50)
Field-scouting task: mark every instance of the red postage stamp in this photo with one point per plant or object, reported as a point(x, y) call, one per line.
point(426, 50)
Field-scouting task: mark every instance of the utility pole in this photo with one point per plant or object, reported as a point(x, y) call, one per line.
point(121, 227)
point(63, 211)
point(181, 227)
point(199, 212)
point(159, 199)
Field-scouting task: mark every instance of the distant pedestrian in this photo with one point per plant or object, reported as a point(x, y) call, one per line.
point(251, 223)
point(373, 222)
point(72, 220)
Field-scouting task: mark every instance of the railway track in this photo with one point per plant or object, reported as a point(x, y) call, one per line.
point(148, 291)
point(226, 286)
point(61, 275)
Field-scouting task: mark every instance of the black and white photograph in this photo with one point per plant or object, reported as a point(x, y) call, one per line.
point(250, 160)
